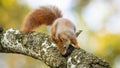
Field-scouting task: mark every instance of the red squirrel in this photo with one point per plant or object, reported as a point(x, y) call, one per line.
point(62, 30)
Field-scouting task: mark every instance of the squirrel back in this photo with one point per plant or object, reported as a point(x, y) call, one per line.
point(43, 15)
point(62, 30)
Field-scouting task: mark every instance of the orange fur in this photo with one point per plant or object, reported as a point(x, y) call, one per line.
point(63, 33)
point(43, 15)
point(62, 30)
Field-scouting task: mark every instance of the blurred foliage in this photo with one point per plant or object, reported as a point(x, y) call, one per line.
point(34, 63)
point(81, 4)
point(104, 44)
point(12, 13)
point(109, 47)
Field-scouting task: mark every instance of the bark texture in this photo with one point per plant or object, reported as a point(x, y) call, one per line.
point(39, 46)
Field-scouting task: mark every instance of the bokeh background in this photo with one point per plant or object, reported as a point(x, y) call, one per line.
point(99, 20)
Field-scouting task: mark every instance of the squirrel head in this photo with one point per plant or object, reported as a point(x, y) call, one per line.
point(69, 43)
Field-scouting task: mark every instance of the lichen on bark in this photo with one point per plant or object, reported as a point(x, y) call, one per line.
point(41, 47)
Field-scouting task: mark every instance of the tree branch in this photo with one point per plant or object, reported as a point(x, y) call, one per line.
point(39, 46)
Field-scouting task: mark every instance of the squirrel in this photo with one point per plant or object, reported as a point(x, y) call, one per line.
point(62, 30)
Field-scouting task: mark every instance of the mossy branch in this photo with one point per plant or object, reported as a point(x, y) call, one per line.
point(40, 46)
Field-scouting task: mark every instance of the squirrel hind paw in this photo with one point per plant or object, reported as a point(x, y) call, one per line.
point(69, 51)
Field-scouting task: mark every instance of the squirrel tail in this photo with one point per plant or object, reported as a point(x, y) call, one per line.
point(42, 15)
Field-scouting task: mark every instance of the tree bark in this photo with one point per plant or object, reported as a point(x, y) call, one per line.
point(41, 47)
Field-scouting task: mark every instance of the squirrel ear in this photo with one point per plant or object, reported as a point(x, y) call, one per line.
point(74, 41)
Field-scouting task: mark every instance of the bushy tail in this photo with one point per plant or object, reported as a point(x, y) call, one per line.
point(42, 15)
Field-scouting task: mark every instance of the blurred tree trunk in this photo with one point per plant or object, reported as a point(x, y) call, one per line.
point(39, 46)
